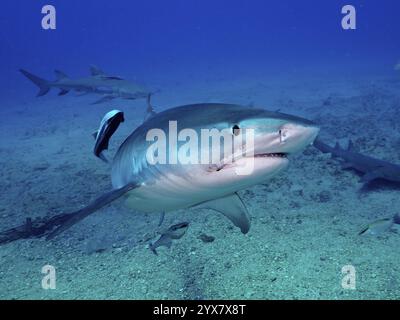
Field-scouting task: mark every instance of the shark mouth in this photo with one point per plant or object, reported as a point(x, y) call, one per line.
point(271, 155)
point(219, 167)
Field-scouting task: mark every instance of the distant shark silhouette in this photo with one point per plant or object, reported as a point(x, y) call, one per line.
point(372, 168)
point(98, 82)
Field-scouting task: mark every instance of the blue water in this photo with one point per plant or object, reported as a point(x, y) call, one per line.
point(174, 37)
point(290, 55)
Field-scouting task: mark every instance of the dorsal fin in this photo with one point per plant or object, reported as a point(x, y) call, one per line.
point(337, 146)
point(96, 71)
point(149, 110)
point(351, 146)
point(60, 75)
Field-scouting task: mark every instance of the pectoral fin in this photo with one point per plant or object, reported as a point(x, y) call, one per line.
point(370, 176)
point(104, 99)
point(63, 92)
point(231, 207)
point(100, 202)
point(164, 240)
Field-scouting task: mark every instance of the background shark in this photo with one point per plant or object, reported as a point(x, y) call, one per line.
point(168, 187)
point(116, 87)
point(372, 168)
point(98, 82)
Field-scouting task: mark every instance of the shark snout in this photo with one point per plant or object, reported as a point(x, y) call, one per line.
point(296, 137)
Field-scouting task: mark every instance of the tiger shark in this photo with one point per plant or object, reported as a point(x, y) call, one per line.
point(165, 187)
point(110, 87)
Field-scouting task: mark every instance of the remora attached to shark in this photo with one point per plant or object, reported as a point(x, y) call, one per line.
point(108, 125)
point(110, 87)
point(167, 187)
point(372, 168)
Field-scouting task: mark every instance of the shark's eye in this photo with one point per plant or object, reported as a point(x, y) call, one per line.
point(236, 130)
point(282, 135)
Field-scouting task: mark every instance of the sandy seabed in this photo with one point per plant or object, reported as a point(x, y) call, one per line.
point(305, 222)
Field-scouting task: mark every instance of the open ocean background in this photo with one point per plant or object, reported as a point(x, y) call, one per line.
point(168, 40)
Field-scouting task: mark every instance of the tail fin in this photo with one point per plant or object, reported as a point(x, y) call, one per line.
point(41, 83)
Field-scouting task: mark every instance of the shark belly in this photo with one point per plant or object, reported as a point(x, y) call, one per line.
point(166, 194)
point(179, 190)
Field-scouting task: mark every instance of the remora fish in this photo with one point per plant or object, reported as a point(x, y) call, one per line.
point(380, 226)
point(109, 124)
point(110, 87)
point(372, 168)
point(167, 187)
point(174, 232)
